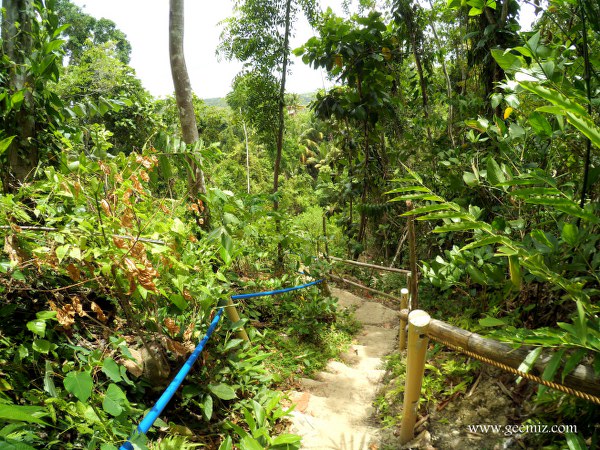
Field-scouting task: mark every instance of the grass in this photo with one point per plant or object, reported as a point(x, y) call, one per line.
point(293, 356)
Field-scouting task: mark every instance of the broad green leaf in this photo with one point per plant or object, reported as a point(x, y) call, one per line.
point(249, 443)
point(79, 384)
point(426, 197)
point(529, 361)
point(554, 97)
point(408, 189)
point(516, 131)
point(178, 227)
point(470, 179)
point(46, 315)
point(491, 322)
point(53, 45)
point(114, 400)
point(227, 444)
point(61, 251)
point(10, 444)
point(494, 174)
point(496, 99)
point(575, 442)
point(223, 391)
point(586, 126)
point(286, 439)
point(572, 361)
point(519, 182)
point(486, 241)
point(575, 113)
point(551, 369)
point(207, 407)
point(5, 143)
point(525, 193)
point(37, 326)
point(540, 124)
point(179, 301)
point(108, 447)
point(569, 233)
point(41, 346)
point(444, 215)
point(426, 209)
point(111, 370)
point(514, 268)
point(507, 60)
point(17, 413)
point(460, 226)
point(49, 386)
point(249, 420)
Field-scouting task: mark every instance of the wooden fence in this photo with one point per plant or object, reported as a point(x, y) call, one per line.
point(417, 327)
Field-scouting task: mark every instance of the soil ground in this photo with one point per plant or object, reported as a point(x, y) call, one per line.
point(335, 409)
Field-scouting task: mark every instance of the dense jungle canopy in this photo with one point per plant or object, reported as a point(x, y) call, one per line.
point(126, 220)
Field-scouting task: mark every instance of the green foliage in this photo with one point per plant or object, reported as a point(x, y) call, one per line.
point(83, 31)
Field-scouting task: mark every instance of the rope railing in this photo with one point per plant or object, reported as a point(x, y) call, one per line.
point(167, 395)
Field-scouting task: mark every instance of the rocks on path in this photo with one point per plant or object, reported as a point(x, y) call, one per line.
point(333, 410)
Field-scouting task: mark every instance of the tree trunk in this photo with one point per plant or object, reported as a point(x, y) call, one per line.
point(247, 153)
point(446, 76)
point(280, 131)
point(183, 95)
point(423, 85)
point(17, 43)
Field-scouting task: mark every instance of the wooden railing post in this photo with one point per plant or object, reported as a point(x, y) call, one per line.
point(418, 321)
point(402, 331)
point(233, 315)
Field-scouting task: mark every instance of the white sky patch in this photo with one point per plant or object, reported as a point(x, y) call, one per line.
point(146, 25)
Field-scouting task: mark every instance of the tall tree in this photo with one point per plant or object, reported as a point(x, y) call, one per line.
point(30, 58)
point(184, 94)
point(259, 36)
point(85, 31)
point(17, 43)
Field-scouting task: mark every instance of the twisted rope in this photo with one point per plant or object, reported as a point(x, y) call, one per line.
point(528, 376)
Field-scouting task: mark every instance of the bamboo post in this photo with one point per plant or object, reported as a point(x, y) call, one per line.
point(402, 331)
point(582, 378)
point(233, 315)
point(324, 288)
point(418, 322)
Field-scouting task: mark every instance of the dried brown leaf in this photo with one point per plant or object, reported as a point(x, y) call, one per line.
point(73, 272)
point(176, 347)
point(65, 315)
point(76, 305)
point(105, 168)
point(106, 207)
point(127, 218)
point(99, 313)
point(171, 326)
point(189, 332)
point(119, 242)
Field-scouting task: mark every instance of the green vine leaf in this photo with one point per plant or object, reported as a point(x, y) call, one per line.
point(79, 384)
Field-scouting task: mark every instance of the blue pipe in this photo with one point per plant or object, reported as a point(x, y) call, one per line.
point(280, 291)
point(164, 399)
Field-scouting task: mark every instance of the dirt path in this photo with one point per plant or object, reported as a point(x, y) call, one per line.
point(333, 410)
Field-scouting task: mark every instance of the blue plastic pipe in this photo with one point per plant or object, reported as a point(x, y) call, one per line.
point(280, 291)
point(164, 399)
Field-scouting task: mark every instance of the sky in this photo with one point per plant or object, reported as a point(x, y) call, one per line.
point(146, 25)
